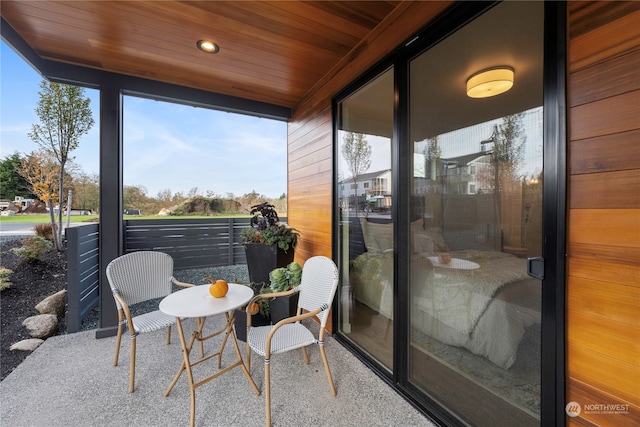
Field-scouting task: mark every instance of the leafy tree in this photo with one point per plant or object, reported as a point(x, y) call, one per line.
point(134, 197)
point(86, 191)
point(505, 158)
point(164, 196)
point(167, 200)
point(250, 199)
point(65, 117)
point(41, 172)
point(13, 184)
point(432, 153)
point(193, 192)
point(508, 148)
point(357, 152)
point(500, 169)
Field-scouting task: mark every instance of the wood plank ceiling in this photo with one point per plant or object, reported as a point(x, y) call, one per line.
point(270, 51)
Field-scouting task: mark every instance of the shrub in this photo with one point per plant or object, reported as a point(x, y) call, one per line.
point(33, 248)
point(4, 278)
point(44, 230)
point(266, 228)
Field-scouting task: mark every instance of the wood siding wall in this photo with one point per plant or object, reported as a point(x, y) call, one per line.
point(310, 143)
point(603, 284)
point(310, 130)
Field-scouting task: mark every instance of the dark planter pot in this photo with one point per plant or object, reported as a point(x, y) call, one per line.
point(240, 323)
point(283, 307)
point(262, 259)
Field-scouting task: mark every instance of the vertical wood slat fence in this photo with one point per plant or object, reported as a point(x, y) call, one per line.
point(192, 243)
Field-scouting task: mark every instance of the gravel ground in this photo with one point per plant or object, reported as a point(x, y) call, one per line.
point(31, 282)
point(230, 273)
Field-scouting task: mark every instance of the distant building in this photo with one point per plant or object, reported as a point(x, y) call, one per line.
point(24, 203)
point(373, 188)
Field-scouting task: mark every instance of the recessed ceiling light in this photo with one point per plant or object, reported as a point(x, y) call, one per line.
point(208, 46)
point(491, 82)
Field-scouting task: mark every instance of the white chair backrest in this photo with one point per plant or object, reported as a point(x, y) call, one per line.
point(141, 276)
point(318, 285)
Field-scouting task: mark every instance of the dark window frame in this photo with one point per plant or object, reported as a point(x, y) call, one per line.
point(553, 375)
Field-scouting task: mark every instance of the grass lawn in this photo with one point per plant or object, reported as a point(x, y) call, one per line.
point(46, 218)
point(33, 218)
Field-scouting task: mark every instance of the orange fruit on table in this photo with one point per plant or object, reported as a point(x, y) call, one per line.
point(219, 288)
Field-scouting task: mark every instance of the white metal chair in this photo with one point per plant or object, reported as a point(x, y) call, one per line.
point(317, 289)
point(134, 278)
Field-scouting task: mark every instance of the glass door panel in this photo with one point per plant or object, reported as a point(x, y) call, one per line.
point(365, 126)
point(477, 179)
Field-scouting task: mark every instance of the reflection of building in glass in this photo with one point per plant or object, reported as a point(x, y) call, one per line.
point(374, 188)
point(457, 175)
point(466, 174)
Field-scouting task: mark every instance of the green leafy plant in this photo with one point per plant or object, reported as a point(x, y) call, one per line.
point(5, 282)
point(33, 248)
point(263, 304)
point(285, 278)
point(266, 228)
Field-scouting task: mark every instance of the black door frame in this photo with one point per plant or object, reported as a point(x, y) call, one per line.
point(554, 209)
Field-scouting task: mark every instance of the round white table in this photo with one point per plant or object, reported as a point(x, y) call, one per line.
point(197, 302)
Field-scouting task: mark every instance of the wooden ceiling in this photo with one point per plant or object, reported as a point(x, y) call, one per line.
point(270, 51)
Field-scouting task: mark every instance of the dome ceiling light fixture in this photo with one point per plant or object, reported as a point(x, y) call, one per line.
point(208, 46)
point(490, 82)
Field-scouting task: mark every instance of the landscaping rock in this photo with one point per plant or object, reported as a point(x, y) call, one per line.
point(53, 304)
point(41, 325)
point(27, 345)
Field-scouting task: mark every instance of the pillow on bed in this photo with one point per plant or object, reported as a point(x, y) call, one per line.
point(422, 244)
point(433, 233)
point(377, 237)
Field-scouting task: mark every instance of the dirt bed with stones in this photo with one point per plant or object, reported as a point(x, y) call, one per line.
point(31, 282)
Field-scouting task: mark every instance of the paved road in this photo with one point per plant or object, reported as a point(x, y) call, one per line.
point(16, 228)
point(22, 228)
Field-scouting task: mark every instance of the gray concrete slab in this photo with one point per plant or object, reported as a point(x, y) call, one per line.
point(70, 381)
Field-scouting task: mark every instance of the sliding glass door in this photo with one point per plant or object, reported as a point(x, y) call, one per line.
point(365, 197)
point(477, 161)
point(439, 197)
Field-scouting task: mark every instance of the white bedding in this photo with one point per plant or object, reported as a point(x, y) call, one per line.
point(484, 309)
point(498, 331)
point(458, 297)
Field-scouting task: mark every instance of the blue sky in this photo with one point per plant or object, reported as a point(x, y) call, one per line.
point(166, 146)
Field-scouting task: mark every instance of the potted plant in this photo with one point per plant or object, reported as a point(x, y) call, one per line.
point(261, 315)
point(268, 243)
point(284, 279)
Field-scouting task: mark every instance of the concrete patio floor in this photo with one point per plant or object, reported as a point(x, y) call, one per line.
point(70, 381)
